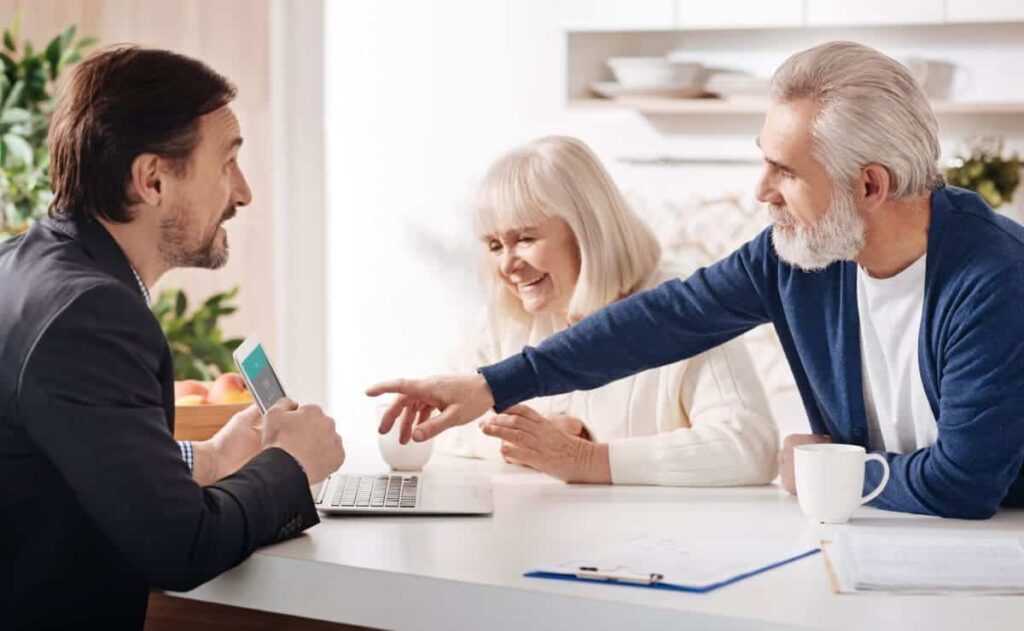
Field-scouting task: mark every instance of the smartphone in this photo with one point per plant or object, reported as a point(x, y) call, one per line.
point(259, 375)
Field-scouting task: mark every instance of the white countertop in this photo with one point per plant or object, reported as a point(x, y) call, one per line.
point(450, 573)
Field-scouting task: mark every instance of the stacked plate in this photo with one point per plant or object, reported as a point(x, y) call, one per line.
point(653, 77)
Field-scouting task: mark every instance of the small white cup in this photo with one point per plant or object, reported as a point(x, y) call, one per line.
point(830, 479)
point(411, 456)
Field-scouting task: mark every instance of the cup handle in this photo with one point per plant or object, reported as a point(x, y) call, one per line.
point(885, 477)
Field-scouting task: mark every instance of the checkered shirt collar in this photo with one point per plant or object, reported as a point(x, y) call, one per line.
point(142, 285)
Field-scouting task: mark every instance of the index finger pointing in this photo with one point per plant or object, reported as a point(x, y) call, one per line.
point(395, 386)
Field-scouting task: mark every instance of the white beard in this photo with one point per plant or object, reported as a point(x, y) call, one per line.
point(838, 236)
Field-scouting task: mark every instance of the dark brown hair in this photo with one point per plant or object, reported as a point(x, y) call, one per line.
point(118, 104)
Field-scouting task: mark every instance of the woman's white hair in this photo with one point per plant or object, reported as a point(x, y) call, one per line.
point(871, 111)
point(558, 176)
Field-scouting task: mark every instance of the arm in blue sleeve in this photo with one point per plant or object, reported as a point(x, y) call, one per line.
point(676, 320)
point(980, 448)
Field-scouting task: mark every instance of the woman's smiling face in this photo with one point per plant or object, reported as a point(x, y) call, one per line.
point(538, 264)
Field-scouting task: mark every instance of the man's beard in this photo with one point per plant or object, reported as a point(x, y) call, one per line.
point(175, 239)
point(838, 236)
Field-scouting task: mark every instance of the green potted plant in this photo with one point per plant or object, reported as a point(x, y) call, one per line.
point(197, 343)
point(27, 82)
point(986, 171)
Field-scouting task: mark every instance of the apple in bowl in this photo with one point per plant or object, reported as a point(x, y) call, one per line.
point(229, 388)
point(190, 388)
point(200, 409)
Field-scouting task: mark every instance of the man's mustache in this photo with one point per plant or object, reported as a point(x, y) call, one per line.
point(780, 216)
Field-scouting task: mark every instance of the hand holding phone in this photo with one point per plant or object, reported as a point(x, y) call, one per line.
point(305, 432)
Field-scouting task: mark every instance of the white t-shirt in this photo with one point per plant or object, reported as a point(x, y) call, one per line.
point(900, 420)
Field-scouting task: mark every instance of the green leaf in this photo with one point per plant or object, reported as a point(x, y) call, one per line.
point(202, 325)
point(53, 54)
point(14, 116)
point(195, 339)
point(16, 25)
point(180, 304)
point(9, 42)
point(14, 96)
point(18, 148)
point(85, 42)
point(222, 359)
point(68, 36)
point(202, 369)
point(9, 64)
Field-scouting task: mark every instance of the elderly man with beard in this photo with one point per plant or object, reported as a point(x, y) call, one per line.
point(99, 503)
point(896, 300)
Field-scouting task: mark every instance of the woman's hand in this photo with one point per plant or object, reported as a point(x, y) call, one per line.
point(568, 424)
point(530, 439)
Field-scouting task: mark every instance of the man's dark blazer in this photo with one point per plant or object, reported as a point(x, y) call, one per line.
point(96, 504)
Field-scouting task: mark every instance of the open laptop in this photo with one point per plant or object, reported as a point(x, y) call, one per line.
point(380, 494)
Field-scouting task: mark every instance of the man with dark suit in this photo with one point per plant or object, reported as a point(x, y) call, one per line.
point(98, 502)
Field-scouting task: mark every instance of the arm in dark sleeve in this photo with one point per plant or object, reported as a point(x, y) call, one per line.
point(676, 320)
point(980, 448)
point(90, 398)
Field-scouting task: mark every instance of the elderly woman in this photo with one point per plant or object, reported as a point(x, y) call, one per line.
point(561, 243)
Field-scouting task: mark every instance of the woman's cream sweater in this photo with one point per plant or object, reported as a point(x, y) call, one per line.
point(704, 421)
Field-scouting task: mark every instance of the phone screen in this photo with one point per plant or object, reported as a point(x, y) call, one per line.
point(261, 378)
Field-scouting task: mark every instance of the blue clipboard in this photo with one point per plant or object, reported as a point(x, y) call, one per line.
point(655, 581)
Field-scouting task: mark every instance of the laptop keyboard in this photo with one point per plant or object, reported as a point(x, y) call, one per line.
point(375, 491)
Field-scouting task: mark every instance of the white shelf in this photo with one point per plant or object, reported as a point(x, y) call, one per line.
point(711, 106)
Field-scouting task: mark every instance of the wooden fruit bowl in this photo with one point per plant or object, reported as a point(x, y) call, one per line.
point(199, 422)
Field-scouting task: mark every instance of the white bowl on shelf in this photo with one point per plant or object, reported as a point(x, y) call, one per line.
point(655, 71)
point(614, 90)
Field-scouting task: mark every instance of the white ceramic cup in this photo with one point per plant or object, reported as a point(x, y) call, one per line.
point(830, 480)
point(411, 456)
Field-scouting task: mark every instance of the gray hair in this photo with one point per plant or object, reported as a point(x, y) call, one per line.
point(559, 176)
point(871, 111)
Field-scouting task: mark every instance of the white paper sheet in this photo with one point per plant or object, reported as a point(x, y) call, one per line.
point(925, 563)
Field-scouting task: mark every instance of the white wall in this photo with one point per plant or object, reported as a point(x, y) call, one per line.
point(421, 96)
point(300, 261)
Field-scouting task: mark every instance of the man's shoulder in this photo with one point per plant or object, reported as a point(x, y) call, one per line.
point(47, 280)
point(977, 235)
point(42, 274)
point(43, 260)
point(977, 261)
